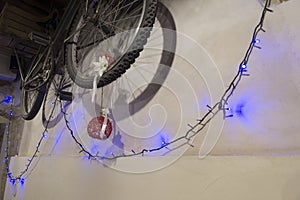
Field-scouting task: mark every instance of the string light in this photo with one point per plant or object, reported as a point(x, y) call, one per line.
point(257, 41)
point(20, 178)
point(193, 131)
point(22, 181)
point(244, 67)
point(212, 110)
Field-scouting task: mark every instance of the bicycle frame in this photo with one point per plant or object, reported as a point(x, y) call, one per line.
point(57, 41)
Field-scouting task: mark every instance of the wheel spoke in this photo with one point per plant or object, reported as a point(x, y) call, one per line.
point(125, 19)
point(110, 24)
point(108, 14)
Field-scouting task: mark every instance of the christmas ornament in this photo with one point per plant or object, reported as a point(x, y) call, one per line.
point(100, 127)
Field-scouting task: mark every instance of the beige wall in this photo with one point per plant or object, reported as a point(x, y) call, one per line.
point(189, 178)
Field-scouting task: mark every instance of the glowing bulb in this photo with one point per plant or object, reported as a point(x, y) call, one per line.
point(8, 99)
point(22, 181)
point(256, 41)
point(244, 66)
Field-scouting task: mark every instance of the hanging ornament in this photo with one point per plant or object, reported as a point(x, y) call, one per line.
point(101, 66)
point(110, 58)
point(100, 127)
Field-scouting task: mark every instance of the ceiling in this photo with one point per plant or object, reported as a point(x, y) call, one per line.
point(19, 17)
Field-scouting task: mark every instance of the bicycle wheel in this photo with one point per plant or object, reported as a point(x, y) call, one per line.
point(118, 30)
point(59, 89)
point(31, 101)
point(33, 90)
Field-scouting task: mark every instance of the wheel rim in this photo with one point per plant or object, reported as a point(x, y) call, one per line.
point(29, 98)
point(114, 36)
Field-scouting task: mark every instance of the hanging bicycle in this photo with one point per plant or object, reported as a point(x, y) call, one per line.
point(84, 25)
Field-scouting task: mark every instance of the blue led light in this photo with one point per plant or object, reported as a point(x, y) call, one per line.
point(7, 99)
point(22, 181)
point(101, 158)
point(163, 142)
point(240, 109)
point(256, 41)
point(244, 66)
point(45, 136)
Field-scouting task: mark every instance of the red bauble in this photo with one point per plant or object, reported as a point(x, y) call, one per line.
point(95, 130)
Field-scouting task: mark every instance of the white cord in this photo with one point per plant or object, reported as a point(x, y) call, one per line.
point(101, 67)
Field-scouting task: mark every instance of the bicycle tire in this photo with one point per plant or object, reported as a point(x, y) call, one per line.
point(167, 23)
point(123, 63)
point(58, 84)
point(28, 113)
point(37, 87)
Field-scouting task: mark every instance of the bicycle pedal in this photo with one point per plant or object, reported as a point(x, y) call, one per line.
point(39, 38)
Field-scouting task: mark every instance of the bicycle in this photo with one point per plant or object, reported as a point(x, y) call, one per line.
point(83, 27)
